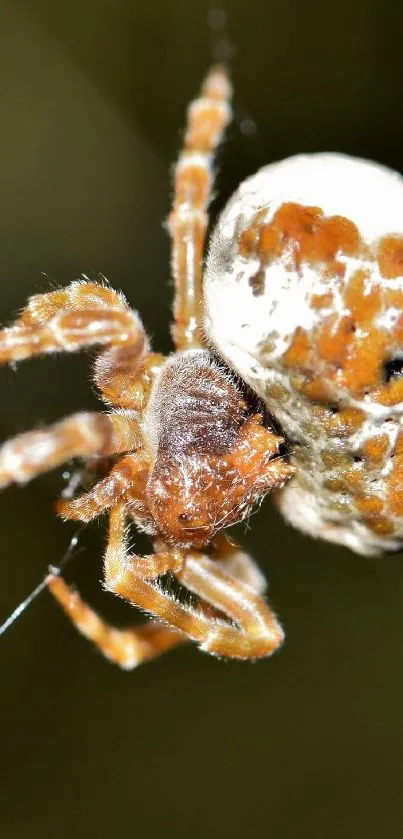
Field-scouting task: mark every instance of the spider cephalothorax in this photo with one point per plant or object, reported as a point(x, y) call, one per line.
point(191, 452)
point(212, 458)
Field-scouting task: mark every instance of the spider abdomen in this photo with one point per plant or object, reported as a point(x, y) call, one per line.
point(308, 257)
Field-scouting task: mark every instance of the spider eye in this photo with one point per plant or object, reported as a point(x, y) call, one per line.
point(183, 517)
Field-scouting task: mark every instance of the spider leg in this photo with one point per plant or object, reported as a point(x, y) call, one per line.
point(237, 563)
point(81, 435)
point(207, 119)
point(107, 492)
point(124, 376)
point(254, 631)
point(82, 315)
point(130, 647)
point(126, 647)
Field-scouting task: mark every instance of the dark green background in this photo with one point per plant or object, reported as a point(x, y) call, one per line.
point(306, 745)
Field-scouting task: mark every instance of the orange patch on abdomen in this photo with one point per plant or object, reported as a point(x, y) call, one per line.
point(390, 256)
point(305, 231)
point(333, 338)
point(363, 298)
point(375, 448)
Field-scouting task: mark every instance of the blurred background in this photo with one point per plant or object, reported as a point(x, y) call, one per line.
point(310, 743)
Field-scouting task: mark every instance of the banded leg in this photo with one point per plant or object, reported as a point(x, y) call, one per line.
point(130, 647)
point(124, 376)
point(125, 647)
point(81, 435)
point(256, 632)
point(83, 314)
point(208, 117)
point(107, 492)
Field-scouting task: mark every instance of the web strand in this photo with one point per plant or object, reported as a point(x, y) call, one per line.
point(53, 571)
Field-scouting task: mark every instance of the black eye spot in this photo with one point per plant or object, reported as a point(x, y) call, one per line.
point(183, 517)
point(393, 368)
point(357, 458)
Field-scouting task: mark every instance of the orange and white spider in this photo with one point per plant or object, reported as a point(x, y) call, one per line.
point(294, 323)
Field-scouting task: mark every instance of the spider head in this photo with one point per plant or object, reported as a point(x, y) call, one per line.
point(193, 497)
point(182, 499)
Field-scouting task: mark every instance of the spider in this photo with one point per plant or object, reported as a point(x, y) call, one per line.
point(293, 327)
point(192, 450)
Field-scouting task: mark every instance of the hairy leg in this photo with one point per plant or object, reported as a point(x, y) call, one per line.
point(132, 646)
point(235, 562)
point(255, 631)
point(208, 117)
point(107, 492)
point(124, 377)
point(126, 647)
point(81, 435)
point(81, 315)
